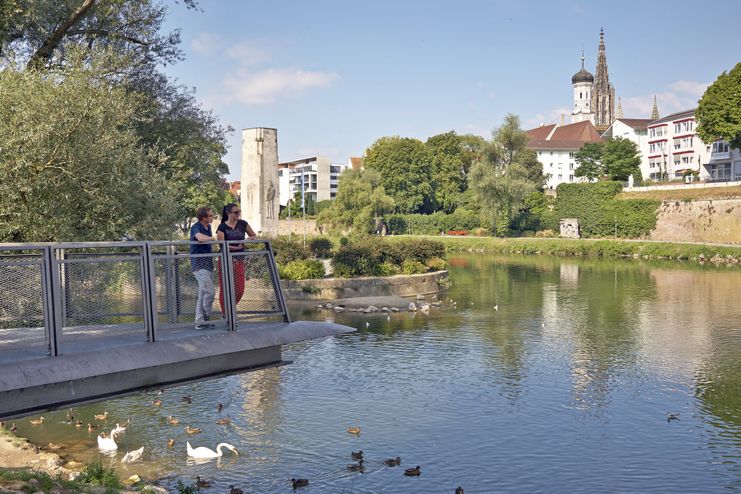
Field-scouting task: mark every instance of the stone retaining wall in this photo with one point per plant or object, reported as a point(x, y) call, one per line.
point(336, 288)
point(716, 221)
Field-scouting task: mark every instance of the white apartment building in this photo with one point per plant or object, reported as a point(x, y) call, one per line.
point(724, 164)
point(555, 147)
point(673, 148)
point(317, 173)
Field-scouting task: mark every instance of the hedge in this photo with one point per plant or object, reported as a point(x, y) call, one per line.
point(433, 224)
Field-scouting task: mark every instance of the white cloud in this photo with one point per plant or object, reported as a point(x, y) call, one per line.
point(266, 86)
point(550, 117)
point(692, 88)
point(207, 43)
point(247, 53)
point(682, 95)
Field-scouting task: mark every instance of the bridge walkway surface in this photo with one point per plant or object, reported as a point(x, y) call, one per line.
point(90, 321)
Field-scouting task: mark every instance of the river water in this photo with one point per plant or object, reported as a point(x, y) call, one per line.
point(565, 386)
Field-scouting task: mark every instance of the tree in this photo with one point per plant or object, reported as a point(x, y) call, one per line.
point(620, 159)
point(295, 210)
point(71, 164)
point(360, 199)
point(589, 160)
point(446, 157)
point(404, 171)
point(500, 179)
point(719, 110)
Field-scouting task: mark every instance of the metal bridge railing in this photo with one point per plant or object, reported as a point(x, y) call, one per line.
point(68, 297)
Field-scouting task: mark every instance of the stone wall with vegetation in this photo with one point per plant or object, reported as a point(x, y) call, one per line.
point(336, 288)
point(699, 221)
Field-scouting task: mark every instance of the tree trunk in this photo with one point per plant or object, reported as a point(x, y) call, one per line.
point(45, 51)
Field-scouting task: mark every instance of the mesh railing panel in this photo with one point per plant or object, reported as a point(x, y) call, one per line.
point(260, 295)
point(22, 301)
point(176, 291)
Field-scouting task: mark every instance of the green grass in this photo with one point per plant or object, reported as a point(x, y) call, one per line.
point(586, 248)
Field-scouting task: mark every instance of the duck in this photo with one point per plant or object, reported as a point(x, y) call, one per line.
point(132, 456)
point(459, 490)
point(54, 446)
point(102, 416)
point(172, 420)
point(186, 399)
point(70, 417)
point(357, 455)
point(38, 421)
point(119, 429)
point(157, 402)
point(78, 424)
point(219, 407)
point(203, 452)
point(235, 490)
point(225, 421)
point(170, 443)
point(353, 430)
point(202, 483)
point(91, 427)
point(107, 443)
point(413, 472)
point(192, 430)
point(296, 483)
point(392, 462)
point(356, 467)
point(669, 416)
point(13, 427)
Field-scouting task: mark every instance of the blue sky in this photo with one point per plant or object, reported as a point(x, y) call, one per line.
point(333, 76)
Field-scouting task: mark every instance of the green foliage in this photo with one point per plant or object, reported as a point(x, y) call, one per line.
point(448, 164)
point(437, 264)
point(286, 250)
point(186, 489)
point(96, 474)
point(589, 160)
point(295, 210)
point(320, 246)
point(378, 256)
point(410, 266)
point(536, 213)
point(433, 224)
point(387, 268)
point(621, 158)
point(505, 175)
point(360, 199)
point(306, 269)
point(404, 172)
point(420, 249)
point(355, 260)
point(719, 110)
point(601, 214)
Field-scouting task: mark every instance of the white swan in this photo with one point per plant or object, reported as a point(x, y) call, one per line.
point(107, 443)
point(118, 429)
point(132, 456)
point(202, 452)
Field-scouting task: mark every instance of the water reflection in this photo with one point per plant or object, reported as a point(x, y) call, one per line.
point(563, 387)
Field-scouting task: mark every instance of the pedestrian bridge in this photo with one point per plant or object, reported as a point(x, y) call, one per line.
point(82, 322)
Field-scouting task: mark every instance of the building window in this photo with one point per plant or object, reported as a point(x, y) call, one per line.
point(652, 147)
point(551, 165)
point(560, 176)
point(571, 155)
point(720, 147)
point(551, 153)
point(571, 166)
point(571, 178)
point(677, 128)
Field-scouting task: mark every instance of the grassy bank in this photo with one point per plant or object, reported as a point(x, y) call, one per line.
point(592, 248)
point(688, 194)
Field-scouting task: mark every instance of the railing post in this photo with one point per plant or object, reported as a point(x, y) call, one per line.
point(148, 295)
point(59, 307)
point(170, 269)
point(276, 282)
point(47, 286)
point(228, 291)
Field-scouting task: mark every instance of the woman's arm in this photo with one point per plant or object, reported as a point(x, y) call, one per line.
point(250, 232)
point(202, 237)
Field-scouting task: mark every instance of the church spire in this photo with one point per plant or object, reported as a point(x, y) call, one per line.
point(619, 111)
point(603, 93)
point(655, 111)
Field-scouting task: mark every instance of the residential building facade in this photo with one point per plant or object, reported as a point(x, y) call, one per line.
point(674, 151)
point(724, 163)
point(556, 146)
point(318, 175)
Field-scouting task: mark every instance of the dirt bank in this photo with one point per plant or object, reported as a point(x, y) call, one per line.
point(17, 452)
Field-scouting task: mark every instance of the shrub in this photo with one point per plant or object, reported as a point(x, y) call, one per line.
point(344, 241)
point(286, 250)
point(421, 249)
point(433, 224)
point(355, 260)
point(437, 264)
point(410, 266)
point(96, 474)
point(481, 232)
point(388, 269)
point(306, 269)
point(320, 246)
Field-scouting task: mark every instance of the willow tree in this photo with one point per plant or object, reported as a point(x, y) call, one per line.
point(505, 175)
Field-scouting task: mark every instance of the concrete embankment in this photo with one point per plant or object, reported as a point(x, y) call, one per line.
point(340, 288)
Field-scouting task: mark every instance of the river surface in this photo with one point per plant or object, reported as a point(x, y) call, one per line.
point(534, 375)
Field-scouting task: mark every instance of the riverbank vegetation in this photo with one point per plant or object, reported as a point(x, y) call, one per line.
point(94, 478)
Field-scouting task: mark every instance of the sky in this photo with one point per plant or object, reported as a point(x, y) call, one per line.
point(334, 76)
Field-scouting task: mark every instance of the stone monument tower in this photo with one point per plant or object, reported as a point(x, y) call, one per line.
point(260, 204)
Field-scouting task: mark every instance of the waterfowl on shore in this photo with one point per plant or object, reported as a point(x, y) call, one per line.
point(132, 456)
point(235, 490)
point(91, 427)
point(192, 430)
point(102, 416)
point(393, 462)
point(225, 421)
point(107, 443)
point(172, 420)
point(170, 443)
point(202, 483)
point(157, 402)
point(353, 430)
point(203, 452)
point(186, 399)
point(357, 455)
point(296, 483)
point(37, 421)
point(413, 472)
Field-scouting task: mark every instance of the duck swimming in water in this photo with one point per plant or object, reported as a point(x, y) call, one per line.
point(357, 455)
point(393, 462)
point(413, 472)
point(102, 416)
point(296, 483)
point(192, 430)
point(353, 430)
point(38, 421)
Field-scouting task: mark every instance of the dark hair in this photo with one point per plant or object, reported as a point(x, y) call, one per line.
point(227, 209)
point(202, 212)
